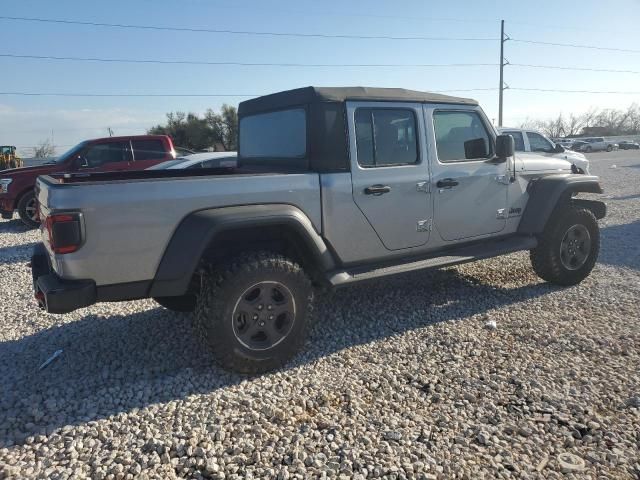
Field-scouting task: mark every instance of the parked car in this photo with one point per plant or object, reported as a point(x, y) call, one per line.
point(98, 155)
point(200, 160)
point(565, 142)
point(535, 142)
point(597, 144)
point(182, 152)
point(577, 145)
point(334, 186)
point(628, 145)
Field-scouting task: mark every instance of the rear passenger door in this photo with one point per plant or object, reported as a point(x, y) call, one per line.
point(390, 172)
point(148, 152)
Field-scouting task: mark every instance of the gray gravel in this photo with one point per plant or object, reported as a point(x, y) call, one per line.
point(401, 378)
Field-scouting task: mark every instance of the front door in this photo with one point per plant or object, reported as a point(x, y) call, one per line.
point(389, 171)
point(109, 156)
point(469, 186)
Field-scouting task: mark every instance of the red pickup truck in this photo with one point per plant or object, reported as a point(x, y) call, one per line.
point(99, 155)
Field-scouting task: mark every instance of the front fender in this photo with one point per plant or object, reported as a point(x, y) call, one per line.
point(546, 193)
point(198, 229)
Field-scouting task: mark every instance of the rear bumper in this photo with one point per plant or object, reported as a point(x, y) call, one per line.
point(54, 294)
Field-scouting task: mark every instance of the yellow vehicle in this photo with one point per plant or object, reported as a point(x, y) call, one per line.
point(9, 158)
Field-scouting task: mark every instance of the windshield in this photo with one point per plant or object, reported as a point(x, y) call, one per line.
point(68, 154)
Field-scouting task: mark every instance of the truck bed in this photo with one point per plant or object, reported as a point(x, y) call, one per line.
point(136, 213)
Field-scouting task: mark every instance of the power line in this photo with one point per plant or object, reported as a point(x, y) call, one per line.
point(243, 64)
point(56, 94)
point(78, 129)
point(305, 65)
point(582, 69)
point(573, 91)
point(195, 95)
point(575, 45)
point(243, 32)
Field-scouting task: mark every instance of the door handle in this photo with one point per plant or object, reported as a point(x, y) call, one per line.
point(447, 183)
point(377, 190)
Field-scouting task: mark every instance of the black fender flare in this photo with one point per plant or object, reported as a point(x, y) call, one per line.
point(546, 193)
point(198, 229)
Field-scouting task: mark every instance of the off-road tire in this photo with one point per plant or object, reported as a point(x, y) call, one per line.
point(224, 287)
point(183, 303)
point(25, 202)
point(546, 259)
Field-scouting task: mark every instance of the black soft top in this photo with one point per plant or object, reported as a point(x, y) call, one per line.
point(310, 95)
point(326, 121)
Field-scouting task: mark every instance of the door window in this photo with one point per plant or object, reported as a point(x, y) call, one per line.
point(518, 139)
point(461, 136)
point(148, 150)
point(386, 137)
point(539, 143)
point(105, 153)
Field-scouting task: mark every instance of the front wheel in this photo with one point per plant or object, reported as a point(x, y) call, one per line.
point(254, 311)
point(28, 210)
point(568, 248)
point(609, 148)
point(588, 149)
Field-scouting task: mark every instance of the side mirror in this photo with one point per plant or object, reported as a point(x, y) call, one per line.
point(505, 146)
point(80, 162)
point(475, 148)
point(558, 148)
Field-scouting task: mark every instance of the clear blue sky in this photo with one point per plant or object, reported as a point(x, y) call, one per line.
point(25, 121)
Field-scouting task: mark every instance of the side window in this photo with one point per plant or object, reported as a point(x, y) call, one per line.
point(461, 136)
point(386, 137)
point(519, 140)
point(148, 150)
point(539, 143)
point(101, 154)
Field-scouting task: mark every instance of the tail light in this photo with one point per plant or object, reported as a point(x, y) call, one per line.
point(65, 233)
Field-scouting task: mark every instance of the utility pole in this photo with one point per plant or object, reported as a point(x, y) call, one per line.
point(110, 131)
point(503, 38)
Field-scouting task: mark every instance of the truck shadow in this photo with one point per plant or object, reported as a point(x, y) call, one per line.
point(116, 364)
point(13, 226)
point(16, 254)
point(621, 245)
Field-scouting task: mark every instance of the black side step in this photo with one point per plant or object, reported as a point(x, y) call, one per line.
point(455, 256)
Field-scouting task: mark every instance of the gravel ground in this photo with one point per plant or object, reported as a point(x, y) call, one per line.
point(401, 378)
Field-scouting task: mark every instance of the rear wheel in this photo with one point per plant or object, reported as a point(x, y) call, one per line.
point(28, 209)
point(609, 148)
point(588, 149)
point(254, 311)
point(568, 248)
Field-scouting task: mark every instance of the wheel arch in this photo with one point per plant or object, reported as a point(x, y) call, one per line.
point(548, 193)
point(213, 235)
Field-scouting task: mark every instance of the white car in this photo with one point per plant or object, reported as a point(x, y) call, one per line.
point(536, 143)
point(200, 160)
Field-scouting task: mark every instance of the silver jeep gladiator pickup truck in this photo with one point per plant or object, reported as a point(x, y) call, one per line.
point(332, 186)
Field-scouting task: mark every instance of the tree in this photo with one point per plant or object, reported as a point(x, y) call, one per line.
point(45, 149)
point(186, 130)
point(593, 122)
point(191, 131)
point(225, 126)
